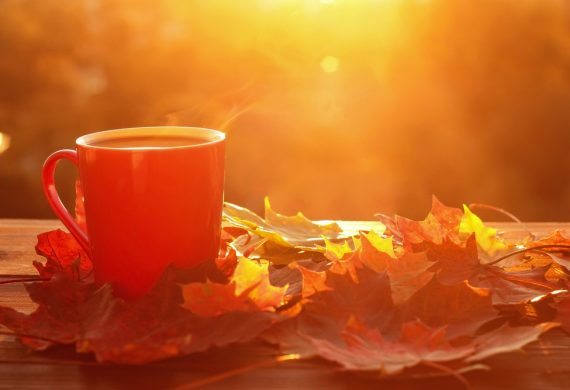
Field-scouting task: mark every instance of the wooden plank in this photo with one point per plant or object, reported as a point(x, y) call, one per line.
point(17, 242)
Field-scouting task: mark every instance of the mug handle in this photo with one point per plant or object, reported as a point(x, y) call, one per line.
point(48, 183)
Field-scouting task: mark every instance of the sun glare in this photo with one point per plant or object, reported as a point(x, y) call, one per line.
point(4, 142)
point(329, 64)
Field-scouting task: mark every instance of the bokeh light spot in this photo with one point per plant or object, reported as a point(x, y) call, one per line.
point(4, 142)
point(329, 64)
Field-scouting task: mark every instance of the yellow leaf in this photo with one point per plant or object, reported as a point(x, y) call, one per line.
point(252, 278)
point(296, 231)
point(382, 244)
point(336, 251)
point(486, 237)
point(298, 221)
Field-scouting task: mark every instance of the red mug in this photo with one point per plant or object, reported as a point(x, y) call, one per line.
point(153, 197)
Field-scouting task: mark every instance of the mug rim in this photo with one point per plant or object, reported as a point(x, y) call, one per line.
point(210, 137)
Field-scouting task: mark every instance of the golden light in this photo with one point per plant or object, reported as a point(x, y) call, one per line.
point(329, 64)
point(4, 142)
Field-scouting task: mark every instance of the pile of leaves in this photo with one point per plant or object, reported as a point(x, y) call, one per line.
point(442, 294)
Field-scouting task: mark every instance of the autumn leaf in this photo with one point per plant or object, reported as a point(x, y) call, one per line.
point(369, 300)
point(63, 255)
point(511, 288)
point(441, 223)
point(73, 312)
point(558, 237)
point(252, 278)
point(289, 231)
point(312, 281)
point(486, 237)
point(300, 222)
point(461, 308)
point(454, 264)
point(66, 307)
point(336, 251)
point(249, 289)
point(131, 336)
point(507, 339)
point(381, 244)
point(366, 349)
point(408, 274)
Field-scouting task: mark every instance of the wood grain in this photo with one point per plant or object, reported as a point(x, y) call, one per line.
point(542, 365)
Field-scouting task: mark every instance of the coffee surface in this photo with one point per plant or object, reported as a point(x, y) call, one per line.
point(143, 142)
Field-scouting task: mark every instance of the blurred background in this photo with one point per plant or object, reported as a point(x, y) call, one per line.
point(338, 108)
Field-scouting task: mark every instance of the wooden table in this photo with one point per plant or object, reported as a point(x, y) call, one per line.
point(542, 365)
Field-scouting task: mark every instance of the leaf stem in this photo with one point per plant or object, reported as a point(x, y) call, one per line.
point(496, 209)
point(504, 212)
point(520, 251)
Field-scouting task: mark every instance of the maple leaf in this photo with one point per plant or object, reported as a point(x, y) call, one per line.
point(365, 349)
point(312, 281)
point(65, 307)
point(252, 277)
point(381, 244)
point(325, 312)
point(454, 264)
point(369, 300)
point(441, 223)
point(407, 274)
point(461, 308)
point(510, 288)
point(74, 312)
point(288, 231)
point(336, 251)
point(486, 237)
point(507, 339)
point(131, 336)
point(249, 289)
point(555, 238)
point(561, 261)
point(63, 254)
point(372, 256)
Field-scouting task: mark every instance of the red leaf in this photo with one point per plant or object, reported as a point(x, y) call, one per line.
point(455, 263)
point(153, 328)
point(313, 282)
point(63, 254)
point(365, 349)
point(461, 308)
point(249, 290)
point(408, 274)
point(442, 223)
